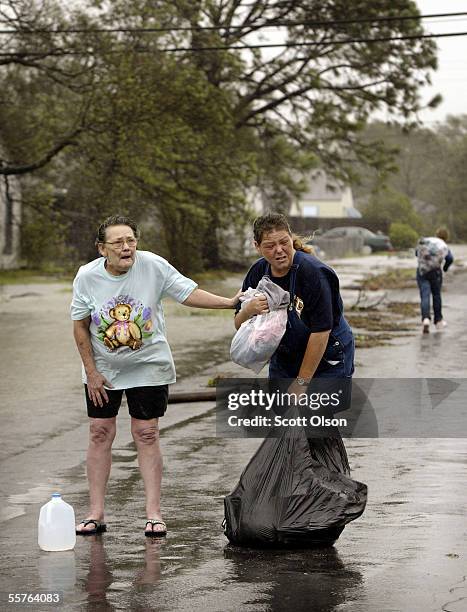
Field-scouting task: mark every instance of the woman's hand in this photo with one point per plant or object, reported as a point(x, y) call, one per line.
point(96, 391)
point(236, 298)
point(257, 306)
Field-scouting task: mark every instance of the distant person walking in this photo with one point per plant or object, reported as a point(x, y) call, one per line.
point(434, 257)
point(119, 329)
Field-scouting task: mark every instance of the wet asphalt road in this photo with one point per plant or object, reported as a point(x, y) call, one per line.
point(408, 552)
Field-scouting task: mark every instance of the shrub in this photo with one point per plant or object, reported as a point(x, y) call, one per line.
point(386, 204)
point(402, 236)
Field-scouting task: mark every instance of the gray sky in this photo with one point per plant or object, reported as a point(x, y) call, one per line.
point(450, 80)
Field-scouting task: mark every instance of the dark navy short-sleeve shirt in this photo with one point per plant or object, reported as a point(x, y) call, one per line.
point(317, 298)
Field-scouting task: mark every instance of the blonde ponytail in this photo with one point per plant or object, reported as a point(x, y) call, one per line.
point(298, 245)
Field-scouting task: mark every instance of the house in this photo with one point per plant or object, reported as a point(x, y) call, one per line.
point(325, 197)
point(324, 204)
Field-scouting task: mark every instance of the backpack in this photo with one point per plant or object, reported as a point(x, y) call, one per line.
point(431, 253)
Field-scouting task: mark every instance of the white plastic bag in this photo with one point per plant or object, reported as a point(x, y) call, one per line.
point(257, 338)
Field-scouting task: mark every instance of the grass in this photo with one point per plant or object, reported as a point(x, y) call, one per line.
point(212, 382)
point(26, 276)
point(210, 276)
point(404, 309)
point(392, 279)
point(390, 318)
point(372, 340)
point(378, 321)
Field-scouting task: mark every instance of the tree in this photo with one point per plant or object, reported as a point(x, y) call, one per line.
point(449, 187)
point(387, 205)
point(165, 151)
point(414, 153)
point(46, 83)
point(157, 141)
point(428, 168)
point(168, 110)
point(341, 61)
point(320, 89)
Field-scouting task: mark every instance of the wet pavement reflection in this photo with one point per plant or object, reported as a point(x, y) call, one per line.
point(405, 553)
point(99, 577)
point(306, 580)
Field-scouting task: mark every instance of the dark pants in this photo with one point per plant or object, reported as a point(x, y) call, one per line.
point(430, 285)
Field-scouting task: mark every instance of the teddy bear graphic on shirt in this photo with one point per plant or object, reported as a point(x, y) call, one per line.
point(123, 322)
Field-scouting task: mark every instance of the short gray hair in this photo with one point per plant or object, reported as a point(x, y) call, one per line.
point(115, 220)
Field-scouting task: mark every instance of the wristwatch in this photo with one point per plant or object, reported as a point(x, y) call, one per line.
point(302, 381)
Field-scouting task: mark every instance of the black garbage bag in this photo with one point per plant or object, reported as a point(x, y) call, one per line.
point(294, 492)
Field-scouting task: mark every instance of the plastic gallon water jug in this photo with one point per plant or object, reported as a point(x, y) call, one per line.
point(56, 529)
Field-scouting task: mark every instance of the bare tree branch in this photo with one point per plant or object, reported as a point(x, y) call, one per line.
point(8, 169)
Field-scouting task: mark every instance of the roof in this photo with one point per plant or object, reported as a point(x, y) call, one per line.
point(320, 187)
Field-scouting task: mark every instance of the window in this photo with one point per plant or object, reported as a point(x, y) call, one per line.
point(310, 210)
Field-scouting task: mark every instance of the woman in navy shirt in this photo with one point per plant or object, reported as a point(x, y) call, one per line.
point(318, 341)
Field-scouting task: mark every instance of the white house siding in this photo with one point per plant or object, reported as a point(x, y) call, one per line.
point(321, 201)
point(10, 218)
point(321, 208)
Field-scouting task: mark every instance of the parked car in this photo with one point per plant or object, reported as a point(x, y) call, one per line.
point(376, 242)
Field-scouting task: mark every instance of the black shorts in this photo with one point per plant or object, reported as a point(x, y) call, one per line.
point(143, 402)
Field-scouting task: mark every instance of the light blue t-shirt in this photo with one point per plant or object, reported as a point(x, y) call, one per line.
point(127, 320)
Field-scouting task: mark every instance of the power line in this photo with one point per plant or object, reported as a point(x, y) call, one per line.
point(319, 43)
point(266, 24)
point(61, 53)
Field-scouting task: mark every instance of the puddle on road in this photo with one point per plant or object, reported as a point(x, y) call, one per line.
point(196, 568)
point(17, 505)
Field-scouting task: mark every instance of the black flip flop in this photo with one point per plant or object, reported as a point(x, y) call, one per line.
point(155, 534)
point(100, 527)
